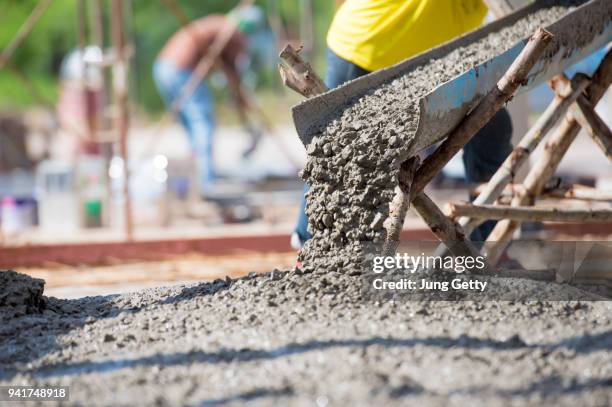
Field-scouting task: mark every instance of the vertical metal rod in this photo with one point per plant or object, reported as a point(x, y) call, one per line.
point(81, 23)
point(97, 23)
point(120, 86)
point(97, 39)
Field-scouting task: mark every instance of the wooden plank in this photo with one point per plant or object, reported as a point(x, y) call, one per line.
point(529, 213)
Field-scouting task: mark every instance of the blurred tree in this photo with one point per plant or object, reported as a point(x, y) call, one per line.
point(54, 35)
point(40, 55)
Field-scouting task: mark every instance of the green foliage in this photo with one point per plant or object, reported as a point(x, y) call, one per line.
point(40, 55)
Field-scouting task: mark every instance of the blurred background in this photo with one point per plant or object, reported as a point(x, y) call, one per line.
point(59, 130)
point(78, 103)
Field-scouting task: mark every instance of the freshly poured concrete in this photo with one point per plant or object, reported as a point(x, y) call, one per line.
point(310, 339)
point(20, 294)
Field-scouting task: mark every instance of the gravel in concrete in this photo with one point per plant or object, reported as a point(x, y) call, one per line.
point(309, 339)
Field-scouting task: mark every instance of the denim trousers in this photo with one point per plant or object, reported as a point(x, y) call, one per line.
point(482, 155)
point(196, 115)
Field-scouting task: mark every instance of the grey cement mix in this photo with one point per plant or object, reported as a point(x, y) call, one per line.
point(353, 163)
point(307, 337)
point(288, 338)
point(20, 294)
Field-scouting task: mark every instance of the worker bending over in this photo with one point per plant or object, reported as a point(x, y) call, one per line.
point(175, 65)
point(367, 35)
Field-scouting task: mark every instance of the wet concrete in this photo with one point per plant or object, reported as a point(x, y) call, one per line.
point(353, 162)
point(20, 294)
point(310, 339)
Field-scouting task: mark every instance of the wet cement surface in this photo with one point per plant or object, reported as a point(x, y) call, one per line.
point(20, 294)
point(310, 339)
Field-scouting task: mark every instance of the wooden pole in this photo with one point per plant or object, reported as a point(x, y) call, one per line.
point(520, 154)
point(446, 230)
point(554, 150)
point(23, 32)
point(178, 12)
point(81, 23)
point(584, 113)
point(579, 192)
point(484, 111)
point(81, 17)
point(97, 38)
point(97, 23)
point(399, 206)
point(120, 85)
point(574, 191)
point(528, 213)
point(599, 131)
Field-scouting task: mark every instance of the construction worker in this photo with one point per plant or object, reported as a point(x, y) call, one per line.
point(367, 35)
point(175, 65)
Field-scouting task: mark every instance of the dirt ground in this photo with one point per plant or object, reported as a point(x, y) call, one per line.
point(310, 339)
point(122, 276)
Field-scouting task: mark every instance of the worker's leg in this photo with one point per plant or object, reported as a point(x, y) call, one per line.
point(339, 71)
point(301, 229)
point(196, 115)
point(483, 155)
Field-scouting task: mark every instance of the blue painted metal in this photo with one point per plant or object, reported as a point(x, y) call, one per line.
point(443, 108)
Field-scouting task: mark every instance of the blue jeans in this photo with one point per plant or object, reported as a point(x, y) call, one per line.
point(482, 155)
point(196, 115)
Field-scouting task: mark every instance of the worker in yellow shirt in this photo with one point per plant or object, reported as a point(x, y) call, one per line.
point(366, 35)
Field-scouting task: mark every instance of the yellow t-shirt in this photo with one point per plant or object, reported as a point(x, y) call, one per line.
point(375, 34)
